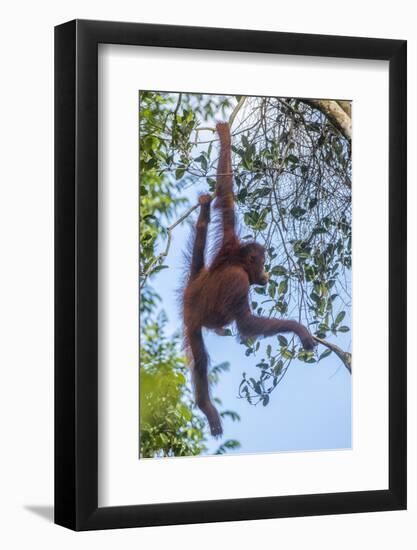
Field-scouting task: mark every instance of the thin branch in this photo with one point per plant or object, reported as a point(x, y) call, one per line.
point(236, 110)
point(231, 118)
point(158, 260)
point(207, 128)
point(177, 106)
point(344, 356)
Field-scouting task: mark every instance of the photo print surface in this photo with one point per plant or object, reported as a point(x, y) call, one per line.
point(245, 274)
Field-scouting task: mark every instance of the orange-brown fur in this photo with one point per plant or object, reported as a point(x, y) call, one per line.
point(217, 295)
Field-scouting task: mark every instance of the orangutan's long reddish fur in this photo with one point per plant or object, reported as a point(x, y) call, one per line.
point(217, 295)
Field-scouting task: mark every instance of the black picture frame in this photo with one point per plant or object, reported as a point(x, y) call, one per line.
point(76, 272)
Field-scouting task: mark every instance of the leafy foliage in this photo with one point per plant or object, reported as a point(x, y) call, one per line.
point(159, 197)
point(169, 423)
point(168, 426)
point(295, 196)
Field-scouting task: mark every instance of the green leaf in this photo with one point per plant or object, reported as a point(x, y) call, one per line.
point(278, 270)
point(245, 142)
point(325, 353)
point(231, 444)
point(211, 183)
point(251, 218)
point(259, 290)
point(159, 268)
point(204, 164)
point(287, 354)
point(282, 340)
point(264, 192)
point(343, 328)
point(297, 212)
point(340, 317)
point(230, 414)
point(242, 194)
point(315, 297)
point(283, 286)
point(179, 172)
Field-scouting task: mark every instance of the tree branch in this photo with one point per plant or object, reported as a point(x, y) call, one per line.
point(236, 110)
point(344, 356)
point(158, 260)
point(231, 117)
point(336, 114)
point(347, 107)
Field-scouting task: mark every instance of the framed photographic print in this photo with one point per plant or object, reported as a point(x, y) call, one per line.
point(230, 275)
